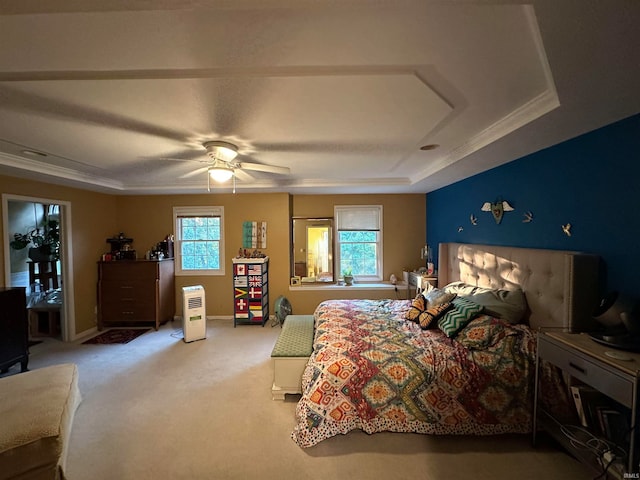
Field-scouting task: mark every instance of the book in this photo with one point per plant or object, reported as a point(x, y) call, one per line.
point(601, 414)
point(591, 401)
point(616, 425)
point(577, 400)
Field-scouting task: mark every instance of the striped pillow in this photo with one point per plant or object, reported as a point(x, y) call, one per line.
point(457, 318)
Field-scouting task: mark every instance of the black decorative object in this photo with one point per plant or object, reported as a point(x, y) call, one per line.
point(617, 314)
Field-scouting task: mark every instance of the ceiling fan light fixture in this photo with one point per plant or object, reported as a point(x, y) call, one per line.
point(224, 151)
point(220, 174)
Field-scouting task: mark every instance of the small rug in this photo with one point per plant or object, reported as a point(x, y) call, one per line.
point(119, 335)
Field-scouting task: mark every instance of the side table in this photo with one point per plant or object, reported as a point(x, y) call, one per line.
point(415, 281)
point(614, 373)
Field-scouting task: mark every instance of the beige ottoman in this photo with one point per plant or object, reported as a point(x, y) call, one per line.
point(36, 414)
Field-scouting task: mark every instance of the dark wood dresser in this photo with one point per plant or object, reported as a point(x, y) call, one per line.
point(135, 292)
point(14, 328)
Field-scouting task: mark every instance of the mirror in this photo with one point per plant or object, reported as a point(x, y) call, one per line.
point(313, 250)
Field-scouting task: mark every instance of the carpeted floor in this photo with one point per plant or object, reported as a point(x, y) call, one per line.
point(117, 335)
point(162, 409)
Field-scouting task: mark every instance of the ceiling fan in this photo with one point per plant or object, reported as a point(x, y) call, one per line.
point(222, 165)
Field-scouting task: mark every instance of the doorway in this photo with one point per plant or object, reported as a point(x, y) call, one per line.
point(45, 278)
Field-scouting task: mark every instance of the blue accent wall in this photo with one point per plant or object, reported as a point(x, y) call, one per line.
point(591, 182)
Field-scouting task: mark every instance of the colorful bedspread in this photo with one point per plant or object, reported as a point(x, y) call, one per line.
point(372, 370)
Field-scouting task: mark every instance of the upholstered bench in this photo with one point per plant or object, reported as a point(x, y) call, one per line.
point(291, 354)
point(36, 415)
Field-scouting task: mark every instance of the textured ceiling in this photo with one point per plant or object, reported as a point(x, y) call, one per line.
point(120, 95)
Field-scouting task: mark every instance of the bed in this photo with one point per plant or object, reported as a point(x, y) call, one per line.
point(377, 365)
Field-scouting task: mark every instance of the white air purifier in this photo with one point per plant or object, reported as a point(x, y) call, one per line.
point(194, 316)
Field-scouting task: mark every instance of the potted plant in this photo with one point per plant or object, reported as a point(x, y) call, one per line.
point(43, 242)
point(347, 276)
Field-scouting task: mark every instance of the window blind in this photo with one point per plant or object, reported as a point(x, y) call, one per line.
point(365, 218)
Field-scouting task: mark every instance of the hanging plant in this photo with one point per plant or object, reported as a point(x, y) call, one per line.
point(45, 239)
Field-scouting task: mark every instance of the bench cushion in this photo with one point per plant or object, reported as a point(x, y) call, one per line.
point(296, 338)
point(37, 410)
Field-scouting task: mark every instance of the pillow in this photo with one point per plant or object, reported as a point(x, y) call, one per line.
point(482, 332)
point(429, 316)
point(507, 305)
point(455, 319)
point(418, 306)
point(435, 297)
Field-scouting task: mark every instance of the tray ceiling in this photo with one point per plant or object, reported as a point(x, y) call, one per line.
point(119, 96)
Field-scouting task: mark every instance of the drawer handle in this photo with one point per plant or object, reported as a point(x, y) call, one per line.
point(576, 367)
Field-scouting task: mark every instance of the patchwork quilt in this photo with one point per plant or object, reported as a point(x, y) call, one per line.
point(371, 369)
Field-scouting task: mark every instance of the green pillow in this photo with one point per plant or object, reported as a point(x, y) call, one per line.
point(457, 317)
point(508, 305)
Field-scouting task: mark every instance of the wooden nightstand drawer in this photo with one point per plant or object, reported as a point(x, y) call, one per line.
point(581, 367)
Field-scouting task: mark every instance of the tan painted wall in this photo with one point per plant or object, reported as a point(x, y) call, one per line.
point(93, 219)
point(404, 228)
point(148, 219)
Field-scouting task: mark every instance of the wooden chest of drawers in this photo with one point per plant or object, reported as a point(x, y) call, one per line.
point(134, 292)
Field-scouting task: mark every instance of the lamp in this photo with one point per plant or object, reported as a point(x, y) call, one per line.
point(220, 174)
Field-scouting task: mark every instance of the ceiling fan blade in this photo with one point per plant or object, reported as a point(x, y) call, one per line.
point(242, 175)
point(258, 167)
point(195, 172)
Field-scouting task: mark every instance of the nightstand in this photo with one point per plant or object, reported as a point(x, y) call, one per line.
point(415, 282)
point(594, 365)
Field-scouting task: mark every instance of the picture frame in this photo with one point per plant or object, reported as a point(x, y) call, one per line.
point(296, 281)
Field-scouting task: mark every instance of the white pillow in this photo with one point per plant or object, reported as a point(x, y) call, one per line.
point(435, 297)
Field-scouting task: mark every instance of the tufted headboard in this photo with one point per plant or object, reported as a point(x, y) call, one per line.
point(561, 287)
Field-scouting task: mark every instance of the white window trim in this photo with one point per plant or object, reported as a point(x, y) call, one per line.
point(380, 263)
point(195, 212)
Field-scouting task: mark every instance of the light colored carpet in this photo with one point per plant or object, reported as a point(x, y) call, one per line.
point(159, 408)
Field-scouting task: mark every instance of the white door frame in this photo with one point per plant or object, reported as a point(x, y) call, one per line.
point(67, 313)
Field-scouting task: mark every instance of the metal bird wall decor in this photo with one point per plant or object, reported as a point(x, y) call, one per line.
point(497, 208)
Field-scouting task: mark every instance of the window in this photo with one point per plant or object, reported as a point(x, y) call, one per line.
point(359, 240)
point(199, 240)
